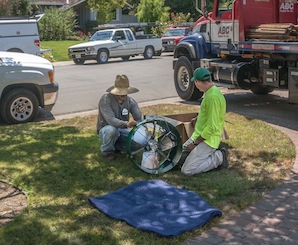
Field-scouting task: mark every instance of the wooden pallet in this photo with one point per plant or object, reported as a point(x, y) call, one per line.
point(283, 32)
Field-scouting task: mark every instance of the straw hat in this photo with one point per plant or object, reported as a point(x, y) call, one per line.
point(121, 86)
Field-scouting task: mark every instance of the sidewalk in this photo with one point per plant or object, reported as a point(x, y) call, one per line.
point(273, 220)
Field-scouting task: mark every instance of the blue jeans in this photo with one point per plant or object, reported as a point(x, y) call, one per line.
point(114, 139)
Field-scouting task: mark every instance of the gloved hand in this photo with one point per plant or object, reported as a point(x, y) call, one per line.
point(186, 144)
point(131, 124)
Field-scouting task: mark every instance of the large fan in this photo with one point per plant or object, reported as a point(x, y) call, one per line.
point(154, 145)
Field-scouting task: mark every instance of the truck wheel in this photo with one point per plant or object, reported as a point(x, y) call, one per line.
point(78, 61)
point(261, 90)
point(17, 50)
point(182, 75)
point(19, 106)
point(102, 56)
point(149, 52)
point(125, 58)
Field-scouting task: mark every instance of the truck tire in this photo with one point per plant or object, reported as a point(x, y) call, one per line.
point(149, 52)
point(261, 90)
point(17, 50)
point(19, 106)
point(182, 77)
point(78, 61)
point(102, 56)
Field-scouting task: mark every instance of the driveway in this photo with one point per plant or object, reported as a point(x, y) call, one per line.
point(273, 108)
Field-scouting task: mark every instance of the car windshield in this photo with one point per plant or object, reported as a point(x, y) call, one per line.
point(101, 35)
point(174, 32)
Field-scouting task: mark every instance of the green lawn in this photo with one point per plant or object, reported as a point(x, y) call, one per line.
point(58, 165)
point(59, 49)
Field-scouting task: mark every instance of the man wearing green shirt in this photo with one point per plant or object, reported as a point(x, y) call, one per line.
point(201, 149)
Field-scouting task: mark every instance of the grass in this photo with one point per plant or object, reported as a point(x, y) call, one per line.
point(58, 164)
point(59, 49)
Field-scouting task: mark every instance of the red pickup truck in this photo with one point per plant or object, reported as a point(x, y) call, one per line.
point(172, 37)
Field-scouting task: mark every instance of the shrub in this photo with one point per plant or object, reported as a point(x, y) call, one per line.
point(49, 56)
point(57, 25)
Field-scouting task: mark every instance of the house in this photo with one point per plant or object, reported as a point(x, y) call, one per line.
point(86, 17)
point(51, 3)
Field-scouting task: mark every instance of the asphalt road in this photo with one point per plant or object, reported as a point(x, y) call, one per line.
point(81, 86)
point(273, 108)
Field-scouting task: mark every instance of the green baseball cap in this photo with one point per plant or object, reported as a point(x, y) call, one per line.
point(201, 74)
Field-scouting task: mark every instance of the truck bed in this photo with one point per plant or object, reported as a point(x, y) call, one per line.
point(275, 38)
point(285, 32)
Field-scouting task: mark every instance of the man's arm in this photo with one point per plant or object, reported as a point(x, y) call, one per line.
point(135, 111)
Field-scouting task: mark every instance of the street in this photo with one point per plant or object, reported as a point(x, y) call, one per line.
point(81, 86)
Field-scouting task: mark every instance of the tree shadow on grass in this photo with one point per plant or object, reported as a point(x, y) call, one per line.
point(59, 166)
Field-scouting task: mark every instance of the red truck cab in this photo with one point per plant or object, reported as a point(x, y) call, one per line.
point(172, 37)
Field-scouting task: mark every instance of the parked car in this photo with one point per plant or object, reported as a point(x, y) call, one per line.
point(26, 83)
point(172, 37)
point(113, 43)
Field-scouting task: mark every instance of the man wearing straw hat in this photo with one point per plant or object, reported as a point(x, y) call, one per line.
point(114, 109)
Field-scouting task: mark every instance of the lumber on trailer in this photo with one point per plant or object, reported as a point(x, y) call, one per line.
point(276, 31)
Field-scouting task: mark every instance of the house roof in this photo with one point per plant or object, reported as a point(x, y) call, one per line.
point(72, 3)
point(54, 2)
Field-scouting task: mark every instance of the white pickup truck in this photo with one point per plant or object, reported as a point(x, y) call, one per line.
point(26, 84)
point(19, 34)
point(114, 43)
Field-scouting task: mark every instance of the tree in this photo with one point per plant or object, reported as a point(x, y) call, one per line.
point(188, 7)
point(175, 19)
point(4, 7)
point(152, 11)
point(57, 25)
point(134, 4)
point(20, 8)
point(106, 9)
point(15, 7)
point(185, 6)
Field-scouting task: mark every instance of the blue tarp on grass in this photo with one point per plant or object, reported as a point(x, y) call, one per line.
point(156, 206)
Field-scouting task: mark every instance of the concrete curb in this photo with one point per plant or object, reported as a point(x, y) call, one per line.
point(174, 100)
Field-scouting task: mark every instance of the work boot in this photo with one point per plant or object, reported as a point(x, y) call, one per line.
point(110, 156)
point(225, 153)
point(183, 157)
